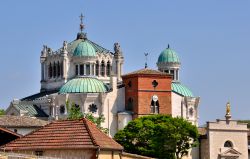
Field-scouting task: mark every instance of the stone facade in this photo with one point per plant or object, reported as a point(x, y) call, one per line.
point(225, 139)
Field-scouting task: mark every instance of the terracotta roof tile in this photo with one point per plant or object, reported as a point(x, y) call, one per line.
point(146, 71)
point(63, 135)
point(101, 139)
point(20, 121)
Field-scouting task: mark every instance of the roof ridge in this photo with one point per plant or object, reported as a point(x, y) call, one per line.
point(9, 131)
point(84, 120)
point(95, 127)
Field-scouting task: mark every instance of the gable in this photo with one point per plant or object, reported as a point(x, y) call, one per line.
point(231, 152)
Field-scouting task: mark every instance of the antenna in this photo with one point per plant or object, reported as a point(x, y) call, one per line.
point(146, 58)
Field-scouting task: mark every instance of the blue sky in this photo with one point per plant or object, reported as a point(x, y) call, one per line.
point(211, 38)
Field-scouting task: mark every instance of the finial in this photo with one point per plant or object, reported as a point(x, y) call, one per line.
point(168, 46)
point(228, 111)
point(81, 24)
point(146, 58)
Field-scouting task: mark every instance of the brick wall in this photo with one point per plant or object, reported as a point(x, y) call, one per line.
point(141, 90)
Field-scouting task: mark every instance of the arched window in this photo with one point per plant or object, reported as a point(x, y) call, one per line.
point(58, 69)
point(102, 68)
point(228, 144)
point(154, 105)
point(97, 68)
point(50, 70)
point(61, 69)
point(62, 109)
point(129, 106)
point(108, 68)
point(191, 112)
point(82, 70)
point(54, 70)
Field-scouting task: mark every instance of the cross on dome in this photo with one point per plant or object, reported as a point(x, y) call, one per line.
point(81, 24)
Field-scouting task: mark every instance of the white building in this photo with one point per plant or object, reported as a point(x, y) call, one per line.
point(87, 75)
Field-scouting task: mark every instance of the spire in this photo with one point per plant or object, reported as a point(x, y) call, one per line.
point(81, 24)
point(146, 58)
point(228, 111)
point(81, 35)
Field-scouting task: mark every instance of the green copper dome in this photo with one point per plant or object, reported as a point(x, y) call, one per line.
point(168, 55)
point(181, 89)
point(83, 85)
point(84, 48)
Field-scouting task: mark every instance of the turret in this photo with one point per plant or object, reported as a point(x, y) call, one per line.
point(169, 62)
point(119, 60)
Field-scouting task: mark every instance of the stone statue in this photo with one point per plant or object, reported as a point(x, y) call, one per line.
point(44, 51)
point(117, 48)
point(228, 109)
point(65, 45)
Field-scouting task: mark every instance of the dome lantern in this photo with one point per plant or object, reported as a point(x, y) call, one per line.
point(169, 62)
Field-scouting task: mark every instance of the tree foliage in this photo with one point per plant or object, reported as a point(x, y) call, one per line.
point(75, 113)
point(158, 136)
point(2, 112)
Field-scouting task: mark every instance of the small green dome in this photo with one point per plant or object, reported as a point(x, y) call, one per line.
point(83, 85)
point(181, 89)
point(168, 55)
point(84, 48)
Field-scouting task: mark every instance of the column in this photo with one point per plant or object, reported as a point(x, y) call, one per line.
point(90, 69)
point(99, 70)
point(105, 70)
point(78, 67)
point(42, 71)
point(84, 68)
point(174, 74)
point(94, 69)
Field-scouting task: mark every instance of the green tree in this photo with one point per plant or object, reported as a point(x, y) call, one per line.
point(97, 121)
point(2, 112)
point(158, 136)
point(75, 113)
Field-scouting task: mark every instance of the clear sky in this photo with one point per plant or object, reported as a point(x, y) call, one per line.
point(212, 39)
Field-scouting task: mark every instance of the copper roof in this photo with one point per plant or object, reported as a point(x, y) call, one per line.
point(20, 121)
point(146, 71)
point(65, 134)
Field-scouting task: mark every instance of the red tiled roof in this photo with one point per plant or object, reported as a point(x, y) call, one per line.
point(65, 134)
point(10, 132)
point(146, 71)
point(20, 121)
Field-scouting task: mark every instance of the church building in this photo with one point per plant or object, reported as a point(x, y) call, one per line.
point(86, 75)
